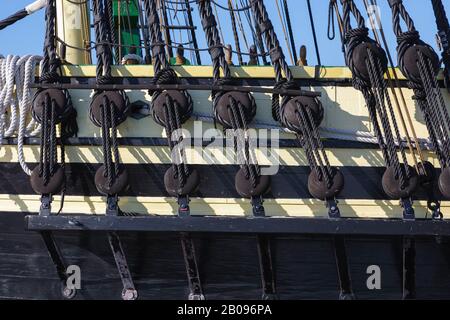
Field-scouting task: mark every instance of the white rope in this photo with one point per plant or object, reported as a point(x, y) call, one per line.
point(325, 132)
point(35, 6)
point(16, 76)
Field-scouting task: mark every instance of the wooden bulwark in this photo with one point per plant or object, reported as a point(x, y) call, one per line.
point(345, 111)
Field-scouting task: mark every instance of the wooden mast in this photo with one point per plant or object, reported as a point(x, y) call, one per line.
point(73, 29)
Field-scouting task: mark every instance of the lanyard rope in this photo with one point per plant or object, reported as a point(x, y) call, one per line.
point(368, 63)
point(300, 114)
point(233, 110)
point(170, 109)
point(52, 107)
point(108, 108)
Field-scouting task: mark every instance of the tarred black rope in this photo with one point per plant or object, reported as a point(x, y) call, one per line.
point(164, 74)
point(245, 159)
point(109, 113)
point(424, 84)
point(102, 37)
point(374, 90)
point(44, 169)
point(50, 61)
point(19, 15)
point(113, 35)
point(235, 32)
point(276, 54)
point(106, 141)
point(444, 35)
point(309, 138)
point(51, 117)
point(313, 144)
point(236, 112)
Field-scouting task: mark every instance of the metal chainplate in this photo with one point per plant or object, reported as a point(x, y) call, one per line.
point(345, 283)
point(58, 261)
point(129, 292)
point(264, 255)
point(190, 260)
point(409, 268)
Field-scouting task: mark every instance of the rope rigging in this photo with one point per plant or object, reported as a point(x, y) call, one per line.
point(420, 64)
point(107, 111)
point(368, 63)
point(19, 15)
point(234, 110)
point(171, 109)
point(444, 37)
point(51, 107)
point(18, 72)
point(424, 168)
point(302, 115)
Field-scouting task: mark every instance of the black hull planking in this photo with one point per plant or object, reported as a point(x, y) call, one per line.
point(305, 266)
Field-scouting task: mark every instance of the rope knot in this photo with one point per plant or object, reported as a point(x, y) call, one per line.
point(283, 84)
point(105, 79)
point(49, 77)
point(165, 76)
point(357, 35)
point(408, 38)
point(219, 83)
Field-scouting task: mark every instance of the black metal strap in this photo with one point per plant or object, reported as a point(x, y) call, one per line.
point(129, 292)
point(59, 262)
point(190, 261)
point(345, 283)
point(265, 255)
point(266, 267)
point(409, 268)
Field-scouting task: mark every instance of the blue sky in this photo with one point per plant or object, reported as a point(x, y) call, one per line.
point(27, 35)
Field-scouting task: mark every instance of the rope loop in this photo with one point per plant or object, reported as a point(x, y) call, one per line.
point(283, 84)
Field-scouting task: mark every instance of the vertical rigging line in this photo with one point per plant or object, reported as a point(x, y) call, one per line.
point(417, 147)
point(313, 29)
point(222, 39)
point(241, 26)
point(235, 32)
point(284, 32)
point(289, 27)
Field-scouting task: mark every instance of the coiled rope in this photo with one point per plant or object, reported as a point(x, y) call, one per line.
point(18, 73)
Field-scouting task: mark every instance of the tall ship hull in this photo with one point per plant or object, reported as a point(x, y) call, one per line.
point(333, 189)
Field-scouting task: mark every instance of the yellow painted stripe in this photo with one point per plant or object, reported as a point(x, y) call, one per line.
point(208, 156)
point(224, 207)
point(261, 72)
